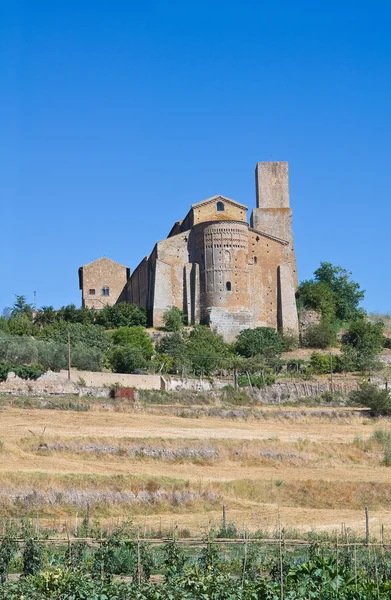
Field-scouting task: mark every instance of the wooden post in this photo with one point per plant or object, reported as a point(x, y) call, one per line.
point(366, 526)
point(69, 354)
point(224, 518)
point(336, 566)
point(281, 559)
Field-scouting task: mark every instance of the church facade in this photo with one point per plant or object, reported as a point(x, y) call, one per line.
point(219, 268)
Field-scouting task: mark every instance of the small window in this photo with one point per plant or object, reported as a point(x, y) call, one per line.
point(228, 286)
point(220, 206)
point(105, 291)
point(255, 260)
point(91, 292)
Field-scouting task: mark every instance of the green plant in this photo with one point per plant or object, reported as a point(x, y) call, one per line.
point(332, 293)
point(174, 319)
point(261, 341)
point(205, 351)
point(133, 337)
point(126, 359)
point(377, 400)
point(324, 363)
point(319, 335)
point(32, 556)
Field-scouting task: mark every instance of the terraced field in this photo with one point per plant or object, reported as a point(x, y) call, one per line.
point(318, 467)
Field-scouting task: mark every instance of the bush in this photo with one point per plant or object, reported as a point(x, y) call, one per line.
point(122, 314)
point(18, 349)
point(31, 372)
point(52, 355)
point(174, 319)
point(126, 359)
point(257, 380)
point(377, 400)
point(205, 350)
point(319, 335)
point(86, 358)
point(365, 336)
point(87, 334)
point(290, 340)
point(322, 364)
point(261, 341)
point(135, 337)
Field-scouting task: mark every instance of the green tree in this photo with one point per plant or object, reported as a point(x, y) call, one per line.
point(365, 336)
point(71, 314)
point(361, 344)
point(80, 333)
point(21, 306)
point(348, 293)
point(122, 314)
point(318, 296)
point(174, 319)
point(172, 344)
point(332, 293)
point(377, 400)
point(205, 350)
point(135, 337)
point(21, 324)
point(126, 359)
point(45, 316)
point(261, 342)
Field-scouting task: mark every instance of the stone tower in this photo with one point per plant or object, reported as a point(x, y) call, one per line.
point(273, 212)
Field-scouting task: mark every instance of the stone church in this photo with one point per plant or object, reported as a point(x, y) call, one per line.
point(214, 265)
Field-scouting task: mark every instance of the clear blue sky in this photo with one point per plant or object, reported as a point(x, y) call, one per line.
point(116, 116)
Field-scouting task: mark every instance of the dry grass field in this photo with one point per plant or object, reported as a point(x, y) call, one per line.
point(318, 467)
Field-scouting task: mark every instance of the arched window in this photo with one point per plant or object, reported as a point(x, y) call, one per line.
point(220, 206)
point(105, 290)
point(228, 286)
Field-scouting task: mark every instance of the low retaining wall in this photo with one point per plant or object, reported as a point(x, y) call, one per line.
point(94, 379)
point(82, 383)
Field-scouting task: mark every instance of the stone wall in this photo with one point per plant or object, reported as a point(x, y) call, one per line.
point(95, 379)
point(100, 274)
point(82, 383)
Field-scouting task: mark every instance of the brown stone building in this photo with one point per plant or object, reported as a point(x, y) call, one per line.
point(218, 268)
point(103, 282)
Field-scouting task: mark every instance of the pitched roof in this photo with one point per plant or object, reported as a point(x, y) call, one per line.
point(105, 259)
point(221, 199)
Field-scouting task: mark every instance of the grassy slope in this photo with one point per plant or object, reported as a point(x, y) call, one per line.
point(320, 467)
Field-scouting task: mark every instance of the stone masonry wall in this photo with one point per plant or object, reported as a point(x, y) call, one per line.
point(100, 273)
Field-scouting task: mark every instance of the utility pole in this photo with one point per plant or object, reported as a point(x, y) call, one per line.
point(69, 354)
point(35, 300)
point(331, 369)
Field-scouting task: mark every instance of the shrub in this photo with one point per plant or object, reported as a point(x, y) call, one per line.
point(18, 349)
point(126, 359)
point(364, 336)
point(87, 334)
point(205, 350)
point(257, 380)
point(290, 340)
point(86, 358)
point(28, 371)
point(324, 363)
point(377, 400)
point(52, 355)
point(174, 319)
point(261, 341)
point(122, 314)
point(319, 335)
point(134, 337)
